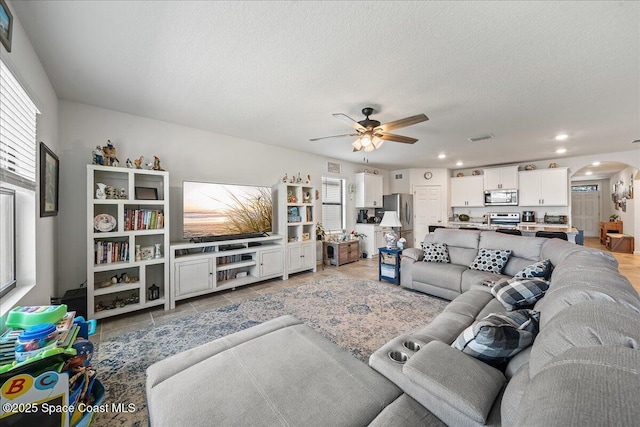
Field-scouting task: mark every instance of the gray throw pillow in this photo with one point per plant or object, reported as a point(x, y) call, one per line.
point(520, 293)
point(491, 260)
point(499, 336)
point(435, 252)
point(538, 269)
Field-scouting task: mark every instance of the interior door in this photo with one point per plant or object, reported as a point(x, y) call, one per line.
point(427, 210)
point(585, 211)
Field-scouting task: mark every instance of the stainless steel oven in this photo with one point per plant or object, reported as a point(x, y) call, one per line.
point(501, 198)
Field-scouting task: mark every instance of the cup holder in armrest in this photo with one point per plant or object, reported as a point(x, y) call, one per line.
point(411, 345)
point(398, 356)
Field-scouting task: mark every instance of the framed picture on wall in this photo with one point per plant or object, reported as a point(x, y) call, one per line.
point(49, 181)
point(6, 25)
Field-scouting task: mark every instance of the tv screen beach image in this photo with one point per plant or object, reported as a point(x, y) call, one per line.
point(220, 209)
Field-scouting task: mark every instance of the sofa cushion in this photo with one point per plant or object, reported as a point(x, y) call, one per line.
point(462, 244)
point(591, 386)
point(499, 336)
point(513, 393)
point(446, 276)
point(588, 324)
point(492, 260)
point(538, 269)
point(435, 252)
point(520, 293)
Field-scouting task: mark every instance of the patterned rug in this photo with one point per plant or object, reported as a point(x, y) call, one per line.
point(358, 315)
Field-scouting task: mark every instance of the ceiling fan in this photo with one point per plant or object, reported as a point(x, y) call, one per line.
point(371, 134)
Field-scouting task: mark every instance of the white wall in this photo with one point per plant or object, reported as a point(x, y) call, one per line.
point(24, 63)
point(628, 217)
point(187, 153)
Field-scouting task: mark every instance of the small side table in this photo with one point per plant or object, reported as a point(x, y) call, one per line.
point(389, 265)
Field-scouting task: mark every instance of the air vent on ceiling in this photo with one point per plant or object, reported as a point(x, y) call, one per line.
point(481, 137)
point(398, 176)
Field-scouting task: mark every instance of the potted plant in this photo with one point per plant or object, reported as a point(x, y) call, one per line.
point(320, 232)
point(613, 218)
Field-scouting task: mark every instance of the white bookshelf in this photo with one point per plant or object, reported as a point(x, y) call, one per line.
point(127, 296)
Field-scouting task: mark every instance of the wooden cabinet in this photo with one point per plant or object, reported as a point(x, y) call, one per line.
point(369, 188)
point(467, 191)
point(301, 257)
point(501, 178)
point(338, 253)
point(607, 226)
point(545, 187)
point(202, 268)
point(127, 240)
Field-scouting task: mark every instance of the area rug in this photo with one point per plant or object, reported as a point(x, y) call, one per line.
point(357, 315)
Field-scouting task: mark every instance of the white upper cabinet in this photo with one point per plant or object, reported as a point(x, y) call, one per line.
point(467, 191)
point(368, 190)
point(545, 187)
point(501, 178)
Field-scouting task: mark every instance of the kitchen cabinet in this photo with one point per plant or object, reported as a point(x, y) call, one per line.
point(368, 243)
point(467, 191)
point(545, 187)
point(501, 178)
point(368, 190)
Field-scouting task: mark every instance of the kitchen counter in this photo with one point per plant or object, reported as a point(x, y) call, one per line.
point(527, 229)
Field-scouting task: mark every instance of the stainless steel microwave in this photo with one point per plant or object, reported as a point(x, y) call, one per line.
point(501, 198)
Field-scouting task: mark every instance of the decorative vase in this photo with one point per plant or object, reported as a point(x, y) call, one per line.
point(100, 192)
point(158, 254)
point(138, 253)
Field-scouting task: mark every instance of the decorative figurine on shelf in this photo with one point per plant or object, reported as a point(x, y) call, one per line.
point(149, 166)
point(100, 192)
point(308, 181)
point(156, 164)
point(115, 163)
point(291, 198)
point(306, 197)
point(122, 194)
point(109, 152)
point(129, 163)
point(138, 253)
point(285, 178)
point(530, 167)
point(138, 162)
point(158, 254)
point(299, 179)
point(110, 192)
point(553, 165)
point(98, 156)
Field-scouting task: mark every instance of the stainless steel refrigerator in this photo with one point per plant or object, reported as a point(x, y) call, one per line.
point(403, 205)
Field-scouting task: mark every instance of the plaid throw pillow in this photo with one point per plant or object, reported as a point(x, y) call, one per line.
point(539, 269)
point(518, 293)
point(499, 336)
point(491, 260)
point(435, 252)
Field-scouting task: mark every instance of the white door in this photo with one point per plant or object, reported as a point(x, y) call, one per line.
point(585, 212)
point(427, 210)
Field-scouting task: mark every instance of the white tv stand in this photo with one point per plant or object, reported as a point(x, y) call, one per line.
point(202, 268)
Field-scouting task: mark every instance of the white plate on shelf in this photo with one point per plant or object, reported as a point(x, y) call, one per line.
point(104, 222)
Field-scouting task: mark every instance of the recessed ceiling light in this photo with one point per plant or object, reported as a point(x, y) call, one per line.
point(595, 164)
point(459, 164)
point(562, 137)
point(588, 173)
point(561, 150)
point(442, 156)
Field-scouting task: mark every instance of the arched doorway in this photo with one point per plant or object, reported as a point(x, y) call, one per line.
point(601, 190)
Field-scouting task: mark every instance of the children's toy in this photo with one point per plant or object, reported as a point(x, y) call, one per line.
point(35, 340)
point(26, 317)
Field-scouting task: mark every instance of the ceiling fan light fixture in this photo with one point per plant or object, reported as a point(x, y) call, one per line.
point(369, 147)
point(357, 145)
point(365, 139)
point(377, 142)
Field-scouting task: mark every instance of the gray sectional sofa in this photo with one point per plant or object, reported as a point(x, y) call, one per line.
point(583, 368)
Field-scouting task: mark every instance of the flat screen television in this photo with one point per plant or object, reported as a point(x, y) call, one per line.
point(214, 211)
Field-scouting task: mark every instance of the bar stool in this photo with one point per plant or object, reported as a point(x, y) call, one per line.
point(552, 234)
point(509, 231)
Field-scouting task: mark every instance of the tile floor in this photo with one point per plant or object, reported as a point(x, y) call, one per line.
point(365, 268)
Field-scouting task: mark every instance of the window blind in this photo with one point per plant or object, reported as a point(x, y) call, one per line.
point(332, 204)
point(17, 132)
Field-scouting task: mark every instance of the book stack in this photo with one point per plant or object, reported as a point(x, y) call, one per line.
point(143, 219)
point(108, 252)
point(8, 345)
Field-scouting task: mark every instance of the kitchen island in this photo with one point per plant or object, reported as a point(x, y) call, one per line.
point(527, 229)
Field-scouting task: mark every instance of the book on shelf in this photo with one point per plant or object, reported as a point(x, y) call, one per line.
point(143, 219)
point(107, 252)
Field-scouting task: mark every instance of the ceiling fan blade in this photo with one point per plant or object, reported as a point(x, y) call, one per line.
point(407, 121)
point(348, 120)
point(334, 136)
point(395, 138)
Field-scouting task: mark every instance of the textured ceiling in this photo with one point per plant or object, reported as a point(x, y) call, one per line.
point(274, 72)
